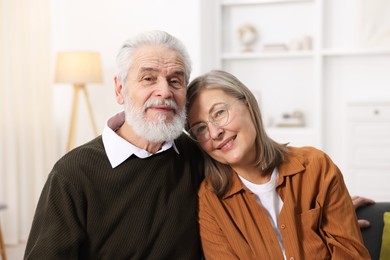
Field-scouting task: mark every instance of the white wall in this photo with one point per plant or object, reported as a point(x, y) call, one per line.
point(103, 26)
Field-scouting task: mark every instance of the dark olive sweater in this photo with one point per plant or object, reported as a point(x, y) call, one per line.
point(142, 209)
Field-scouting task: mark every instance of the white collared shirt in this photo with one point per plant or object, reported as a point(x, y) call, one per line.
point(118, 149)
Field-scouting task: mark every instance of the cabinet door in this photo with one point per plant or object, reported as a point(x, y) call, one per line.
point(368, 149)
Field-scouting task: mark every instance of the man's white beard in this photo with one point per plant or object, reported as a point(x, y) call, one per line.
point(159, 130)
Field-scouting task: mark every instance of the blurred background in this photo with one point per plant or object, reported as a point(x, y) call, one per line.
point(320, 70)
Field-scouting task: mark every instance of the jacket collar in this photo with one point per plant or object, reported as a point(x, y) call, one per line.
point(290, 166)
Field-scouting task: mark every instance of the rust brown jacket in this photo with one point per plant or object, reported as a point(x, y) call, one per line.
point(317, 221)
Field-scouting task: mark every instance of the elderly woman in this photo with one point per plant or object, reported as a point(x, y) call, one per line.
point(261, 199)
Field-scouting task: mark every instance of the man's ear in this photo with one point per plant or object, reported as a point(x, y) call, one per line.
point(119, 95)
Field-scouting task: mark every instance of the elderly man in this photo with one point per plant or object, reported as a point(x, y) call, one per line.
point(131, 192)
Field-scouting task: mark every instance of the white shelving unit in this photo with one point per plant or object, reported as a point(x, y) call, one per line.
point(275, 76)
point(349, 61)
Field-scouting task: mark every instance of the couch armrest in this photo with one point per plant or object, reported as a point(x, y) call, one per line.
point(372, 236)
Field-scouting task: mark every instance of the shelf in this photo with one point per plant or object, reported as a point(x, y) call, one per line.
point(257, 2)
point(267, 55)
point(354, 52)
point(303, 54)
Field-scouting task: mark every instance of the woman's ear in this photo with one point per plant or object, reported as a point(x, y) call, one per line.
point(119, 91)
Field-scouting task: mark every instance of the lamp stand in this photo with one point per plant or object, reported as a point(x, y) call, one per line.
point(73, 119)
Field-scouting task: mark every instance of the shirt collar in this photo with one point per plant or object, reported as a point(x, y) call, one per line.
point(118, 149)
point(290, 166)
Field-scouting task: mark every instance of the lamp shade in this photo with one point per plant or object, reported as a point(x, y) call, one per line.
point(78, 67)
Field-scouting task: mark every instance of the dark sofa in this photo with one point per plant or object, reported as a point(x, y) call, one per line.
point(372, 236)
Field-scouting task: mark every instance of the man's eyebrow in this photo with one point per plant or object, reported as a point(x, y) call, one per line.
point(148, 69)
point(178, 73)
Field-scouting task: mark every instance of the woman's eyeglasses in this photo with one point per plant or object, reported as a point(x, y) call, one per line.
point(219, 117)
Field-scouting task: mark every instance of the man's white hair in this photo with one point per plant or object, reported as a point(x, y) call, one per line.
point(125, 55)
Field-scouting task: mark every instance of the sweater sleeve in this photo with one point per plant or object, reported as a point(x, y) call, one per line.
point(57, 230)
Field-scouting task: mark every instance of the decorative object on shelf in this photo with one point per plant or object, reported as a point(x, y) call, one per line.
point(275, 47)
point(78, 68)
point(300, 44)
point(294, 119)
point(307, 42)
point(294, 44)
point(248, 36)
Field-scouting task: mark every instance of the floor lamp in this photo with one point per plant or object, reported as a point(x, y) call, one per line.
point(78, 68)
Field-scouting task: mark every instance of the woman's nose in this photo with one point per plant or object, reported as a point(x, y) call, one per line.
point(215, 131)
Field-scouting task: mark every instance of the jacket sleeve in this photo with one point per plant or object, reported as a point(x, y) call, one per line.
point(57, 230)
point(214, 242)
point(339, 223)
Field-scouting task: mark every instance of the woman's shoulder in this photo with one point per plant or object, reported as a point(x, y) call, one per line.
point(205, 189)
point(306, 152)
point(304, 158)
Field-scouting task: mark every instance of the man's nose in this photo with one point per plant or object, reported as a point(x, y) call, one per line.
point(163, 88)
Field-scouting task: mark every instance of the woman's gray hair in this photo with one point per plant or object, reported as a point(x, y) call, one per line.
point(125, 55)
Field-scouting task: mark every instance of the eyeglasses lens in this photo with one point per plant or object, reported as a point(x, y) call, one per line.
point(219, 117)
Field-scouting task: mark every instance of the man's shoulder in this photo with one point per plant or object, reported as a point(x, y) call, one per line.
point(88, 155)
point(190, 153)
point(185, 144)
point(93, 146)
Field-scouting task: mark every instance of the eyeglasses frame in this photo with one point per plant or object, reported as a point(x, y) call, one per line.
point(228, 106)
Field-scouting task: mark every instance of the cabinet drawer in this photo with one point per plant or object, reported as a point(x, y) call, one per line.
point(369, 155)
point(370, 183)
point(368, 111)
point(369, 132)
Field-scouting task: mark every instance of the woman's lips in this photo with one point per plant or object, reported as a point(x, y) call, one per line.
point(227, 143)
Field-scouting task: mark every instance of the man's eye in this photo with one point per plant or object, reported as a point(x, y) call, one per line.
point(175, 82)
